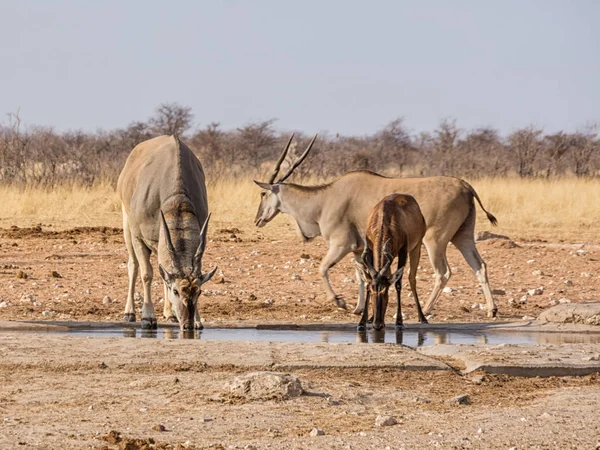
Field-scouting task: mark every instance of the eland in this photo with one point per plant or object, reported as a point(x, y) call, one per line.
point(165, 211)
point(338, 211)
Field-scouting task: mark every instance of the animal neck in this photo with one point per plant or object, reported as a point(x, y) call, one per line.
point(184, 230)
point(303, 205)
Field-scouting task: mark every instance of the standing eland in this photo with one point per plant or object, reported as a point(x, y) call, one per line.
point(338, 211)
point(165, 211)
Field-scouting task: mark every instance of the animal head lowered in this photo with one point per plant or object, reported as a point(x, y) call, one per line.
point(184, 286)
point(378, 281)
point(270, 201)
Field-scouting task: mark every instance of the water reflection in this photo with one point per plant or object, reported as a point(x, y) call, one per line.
point(129, 332)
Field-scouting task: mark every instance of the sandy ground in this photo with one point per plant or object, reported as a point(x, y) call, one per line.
point(66, 275)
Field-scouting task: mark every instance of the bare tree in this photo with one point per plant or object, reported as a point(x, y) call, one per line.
point(526, 144)
point(171, 118)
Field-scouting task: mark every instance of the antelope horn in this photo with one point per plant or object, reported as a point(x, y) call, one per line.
point(299, 160)
point(280, 160)
point(167, 234)
point(388, 256)
point(202, 245)
point(365, 259)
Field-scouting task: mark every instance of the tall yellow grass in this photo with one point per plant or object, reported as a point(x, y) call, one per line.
point(561, 209)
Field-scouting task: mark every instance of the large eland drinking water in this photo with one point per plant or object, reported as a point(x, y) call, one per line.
point(338, 211)
point(165, 211)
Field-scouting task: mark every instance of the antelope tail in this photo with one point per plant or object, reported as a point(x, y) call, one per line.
point(489, 215)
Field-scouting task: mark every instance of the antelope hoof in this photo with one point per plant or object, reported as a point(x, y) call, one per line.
point(340, 302)
point(129, 317)
point(494, 313)
point(172, 319)
point(399, 327)
point(198, 326)
point(423, 320)
point(149, 324)
point(361, 327)
point(358, 311)
point(370, 320)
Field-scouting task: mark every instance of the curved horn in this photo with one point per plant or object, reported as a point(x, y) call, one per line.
point(366, 258)
point(280, 160)
point(202, 245)
point(299, 160)
point(388, 256)
point(167, 234)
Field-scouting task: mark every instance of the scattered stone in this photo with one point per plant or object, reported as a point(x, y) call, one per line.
point(316, 432)
point(385, 421)
point(528, 318)
point(564, 301)
point(107, 300)
point(485, 235)
point(138, 297)
point(87, 291)
point(498, 292)
point(531, 261)
point(477, 379)
point(348, 280)
point(585, 275)
point(3, 304)
point(447, 290)
point(220, 280)
point(475, 306)
point(252, 297)
point(143, 410)
point(159, 428)
point(48, 313)
point(510, 301)
point(568, 283)
point(460, 400)
point(295, 276)
point(523, 300)
point(580, 252)
point(537, 273)
point(265, 386)
point(536, 291)
point(27, 298)
point(21, 274)
point(269, 301)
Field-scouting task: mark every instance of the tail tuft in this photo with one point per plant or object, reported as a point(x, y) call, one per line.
point(491, 218)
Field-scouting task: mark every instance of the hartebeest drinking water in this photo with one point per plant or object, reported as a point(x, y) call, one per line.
point(165, 211)
point(338, 211)
point(395, 227)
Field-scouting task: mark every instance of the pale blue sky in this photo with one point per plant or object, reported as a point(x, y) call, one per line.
point(343, 66)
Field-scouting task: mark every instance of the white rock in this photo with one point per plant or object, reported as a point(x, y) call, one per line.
point(447, 290)
point(47, 313)
point(295, 276)
point(510, 301)
point(106, 300)
point(527, 318)
point(265, 386)
point(385, 421)
point(536, 291)
point(3, 304)
point(523, 300)
point(348, 280)
point(531, 261)
point(537, 273)
point(27, 298)
point(585, 275)
point(317, 432)
point(269, 301)
point(475, 306)
point(564, 300)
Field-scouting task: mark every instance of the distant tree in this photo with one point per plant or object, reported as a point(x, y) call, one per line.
point(171, 118)
point(256, 141)
point(444, 146)
point(526, 144)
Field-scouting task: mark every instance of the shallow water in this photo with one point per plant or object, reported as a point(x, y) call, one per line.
point(410, 337)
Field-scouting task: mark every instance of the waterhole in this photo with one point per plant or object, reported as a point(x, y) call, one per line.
point(413, 335)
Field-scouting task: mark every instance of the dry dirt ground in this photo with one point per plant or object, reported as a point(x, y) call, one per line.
point(67, 275)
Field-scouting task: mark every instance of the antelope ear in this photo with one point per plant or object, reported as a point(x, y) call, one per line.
point(208, 276)
point(268, 187)
point(166, 276)
point(397, 275)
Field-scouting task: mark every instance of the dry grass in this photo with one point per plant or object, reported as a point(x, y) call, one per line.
point(561, 209)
